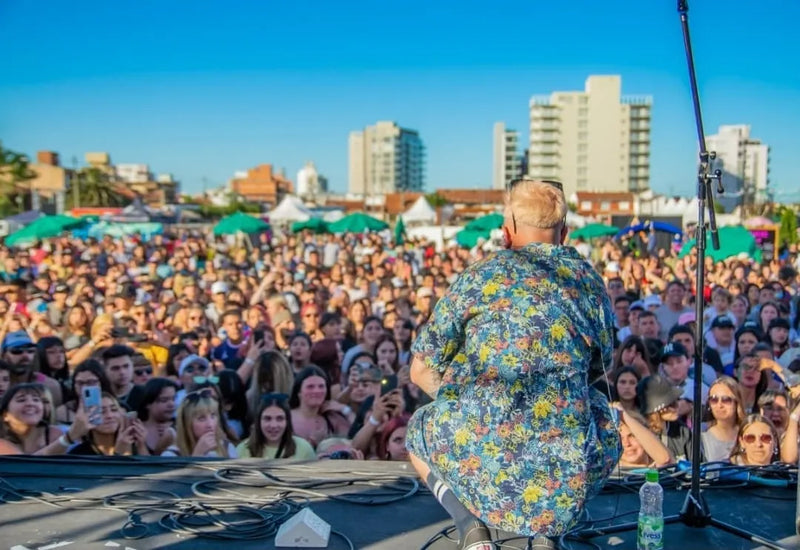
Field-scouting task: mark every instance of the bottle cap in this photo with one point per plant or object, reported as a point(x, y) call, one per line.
point(651, 476)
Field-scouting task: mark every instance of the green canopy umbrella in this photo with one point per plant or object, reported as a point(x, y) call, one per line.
point(240, 223)
point(594, 230)
point(468, 238)
point(317, 225)
point(358, 223)
point(733, 240)
point(43, 228)
point(486, 223)
point(399, 231)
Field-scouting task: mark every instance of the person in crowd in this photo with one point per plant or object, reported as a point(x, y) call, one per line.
point(403, 335)
point(633, 353)
point(118, 363)
point(5, 378)
point(51, 361)
point(752, 381)
point(721, 338)
point(387, 355)
point(659, 400)
point(314, 415)
point(300, 351)
point(747, 336)
point(649, 327)
point(273, 374)
point(739, 309)
point(712, 364)
point(757, 442)
point(675, 365)
point(117, 434)
point(392, 444)
point(774, 405)
point(330, 326)
point(669, 313)
point(338, 448)
point(199, 430)
point(641, 448)
point(157, 414)
point(231, 351)
point(24, 430)
point(724, 414)
point(19, 351)
point(778, 336)
point(626, 379)
point(272, 436)
point(766, 313)
point(370, 334)
point(88, 373)
point(175, 354)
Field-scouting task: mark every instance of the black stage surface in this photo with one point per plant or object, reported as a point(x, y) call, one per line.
point(57, 520)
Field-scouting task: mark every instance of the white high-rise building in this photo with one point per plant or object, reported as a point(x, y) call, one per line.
point(385, 158)
point(133, 173)
point(506, 164)
point(595, 140)
point(744, 162)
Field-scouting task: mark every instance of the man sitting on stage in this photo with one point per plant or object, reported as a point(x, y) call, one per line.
point(515, 439)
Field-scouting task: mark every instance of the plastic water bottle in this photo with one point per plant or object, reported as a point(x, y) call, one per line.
point(651, 514)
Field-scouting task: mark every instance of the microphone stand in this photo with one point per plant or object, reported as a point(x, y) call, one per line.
point(695, 511)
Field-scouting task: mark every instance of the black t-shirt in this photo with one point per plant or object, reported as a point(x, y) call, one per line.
point(133, 400)
point(678, 439)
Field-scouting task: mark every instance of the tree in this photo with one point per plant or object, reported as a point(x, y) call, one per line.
point(14, 173)
point(787, 233)
point(95, 188)
point(436, 200)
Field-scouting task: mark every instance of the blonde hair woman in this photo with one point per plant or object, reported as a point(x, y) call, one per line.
point(199, 430)
point(724, 414)
point(273, 374)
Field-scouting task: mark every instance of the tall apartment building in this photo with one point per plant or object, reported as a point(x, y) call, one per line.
point(385, 158)
point(744, 162)
point(507, 164)
point(593, 141)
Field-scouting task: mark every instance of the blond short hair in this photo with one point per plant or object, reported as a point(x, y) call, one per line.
point(535, 204)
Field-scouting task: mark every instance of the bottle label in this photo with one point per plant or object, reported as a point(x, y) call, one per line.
point(651, 533)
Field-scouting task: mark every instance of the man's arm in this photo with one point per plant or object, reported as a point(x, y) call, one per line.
point(426, 378)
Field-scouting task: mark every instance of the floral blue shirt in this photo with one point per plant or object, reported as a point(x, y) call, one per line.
point(515, 431)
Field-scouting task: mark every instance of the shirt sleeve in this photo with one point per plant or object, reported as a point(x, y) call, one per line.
point(442, 336)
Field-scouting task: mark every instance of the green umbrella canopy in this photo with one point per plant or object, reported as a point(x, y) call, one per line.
point(486, 223)
point(43, 228)
point(358, 223)
point(468, 238)
point(733, 240)
point(317, 225)
point(593, 230)
point(399, 231)
point(240, 222)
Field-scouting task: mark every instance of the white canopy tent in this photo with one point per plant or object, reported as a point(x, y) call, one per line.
point(420, 212)
point(290, 209)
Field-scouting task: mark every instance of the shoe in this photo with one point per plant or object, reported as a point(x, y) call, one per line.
point(477, 538)
point(542, 543)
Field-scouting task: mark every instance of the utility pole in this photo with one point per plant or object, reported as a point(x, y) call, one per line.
point(74, 183)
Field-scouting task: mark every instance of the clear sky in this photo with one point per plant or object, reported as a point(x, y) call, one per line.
point(202, 89)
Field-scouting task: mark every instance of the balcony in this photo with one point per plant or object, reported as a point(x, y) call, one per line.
point(640, 137)
point(544, 137)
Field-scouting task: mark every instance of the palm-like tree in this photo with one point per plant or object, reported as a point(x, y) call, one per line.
point(14, 173)
point(95, 188)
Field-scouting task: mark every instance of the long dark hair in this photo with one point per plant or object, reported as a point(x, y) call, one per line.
point(42, 365)
point(5, 431)
point(172, 352)
point(641, 347)
point(615, 376)
point(308, 372)
point(95, 367)
point(257, 441)
point(152, 390)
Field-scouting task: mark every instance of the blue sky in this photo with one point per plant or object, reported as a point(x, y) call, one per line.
point(202, 89)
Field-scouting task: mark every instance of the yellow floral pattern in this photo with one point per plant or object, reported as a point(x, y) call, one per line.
point(515, 431)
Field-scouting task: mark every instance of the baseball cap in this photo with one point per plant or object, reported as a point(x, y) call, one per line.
point(638, 304)
point(612, 267)
point(652, 300)
point(190, 360)
point(722, 321)
point(424, 292)
point(219, 287)
point(18, 339)
point(673, 349)
point(656, 394)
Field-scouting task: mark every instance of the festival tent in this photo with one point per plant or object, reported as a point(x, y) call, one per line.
point(646, 226)
point(733, 240)
point(420, 212)
point(593, 231)
point(240, 223)
point(290, 209)
point(358, 222)
point(317, 225)
point(43, 228)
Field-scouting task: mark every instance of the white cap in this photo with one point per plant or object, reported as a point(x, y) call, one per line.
point(220, 287)
point(652, 300)
point(612, 267)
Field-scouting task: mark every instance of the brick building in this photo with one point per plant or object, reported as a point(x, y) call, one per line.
point(261, 184)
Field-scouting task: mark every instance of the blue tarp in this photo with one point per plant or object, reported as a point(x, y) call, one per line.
point(657, 226)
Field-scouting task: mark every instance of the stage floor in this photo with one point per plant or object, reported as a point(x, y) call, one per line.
point(408, 523)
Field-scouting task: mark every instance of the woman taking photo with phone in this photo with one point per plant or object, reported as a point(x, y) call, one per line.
point(116, 434)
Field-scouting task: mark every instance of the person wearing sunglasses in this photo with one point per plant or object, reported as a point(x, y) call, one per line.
point(192, 367)
point(757, 442)
point(723, 414)
point(529, 323)
point(774, 405)
point(19, 352)
point(272, 436)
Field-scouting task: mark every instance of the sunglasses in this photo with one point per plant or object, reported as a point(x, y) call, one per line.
point(206, 379)
point(279, 397)
point(199, 367)
point(766, 439)
point(20, 351)
point(724, 399)
point(205, 393)
point(143, 371)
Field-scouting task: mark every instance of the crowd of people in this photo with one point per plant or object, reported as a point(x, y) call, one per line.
point(297, 347)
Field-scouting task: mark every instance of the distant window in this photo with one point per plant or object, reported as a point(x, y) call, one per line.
point(624, 205)
point(605, 206)
point(586, 205)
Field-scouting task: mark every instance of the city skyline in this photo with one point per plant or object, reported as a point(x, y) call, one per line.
point(202, 94)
